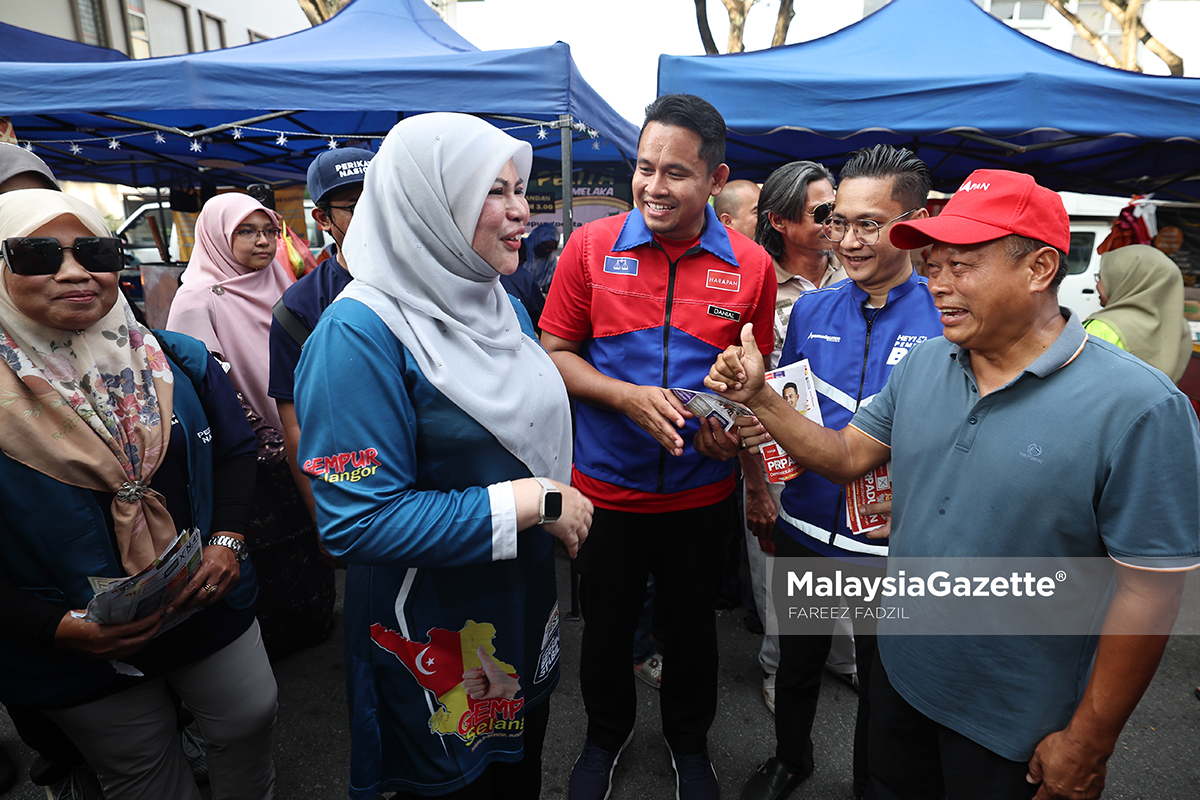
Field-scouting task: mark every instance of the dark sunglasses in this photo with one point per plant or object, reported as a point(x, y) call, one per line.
point(37, 255)
point(822, 212)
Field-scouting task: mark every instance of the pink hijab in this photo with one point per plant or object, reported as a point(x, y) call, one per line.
point(227, 305)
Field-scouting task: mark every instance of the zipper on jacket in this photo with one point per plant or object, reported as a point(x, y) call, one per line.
point(661, 479)
point(862, 381)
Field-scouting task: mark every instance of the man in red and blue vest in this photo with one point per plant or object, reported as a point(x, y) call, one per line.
point(642, 303)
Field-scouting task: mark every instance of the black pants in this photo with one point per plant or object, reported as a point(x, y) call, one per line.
point(685, 551)
point(520, 780)
point(802, 662)
point(914, 758)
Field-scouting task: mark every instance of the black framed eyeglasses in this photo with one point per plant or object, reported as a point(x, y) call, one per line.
point(38, 255)
point(348, 208)
point(865, 230)
point(252, 234)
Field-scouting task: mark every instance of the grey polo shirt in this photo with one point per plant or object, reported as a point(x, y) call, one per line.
point(1089, 452)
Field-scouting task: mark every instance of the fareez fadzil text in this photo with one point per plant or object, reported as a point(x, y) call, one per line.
point(938, 584)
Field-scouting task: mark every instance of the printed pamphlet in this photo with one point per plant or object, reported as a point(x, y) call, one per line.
point(121, 600)
point(874, 487)
point(714, 407)
point(796, 385)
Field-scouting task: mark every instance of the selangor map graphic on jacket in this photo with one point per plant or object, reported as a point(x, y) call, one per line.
point(438, 666)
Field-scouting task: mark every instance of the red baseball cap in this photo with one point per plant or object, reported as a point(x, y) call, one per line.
point(990, 204)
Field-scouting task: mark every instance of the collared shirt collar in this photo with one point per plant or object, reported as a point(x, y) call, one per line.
point(713, 238)
point(782, 276)
point(895, 293)
point(1062, 351)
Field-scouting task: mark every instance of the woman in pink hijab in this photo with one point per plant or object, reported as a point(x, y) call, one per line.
point(228, 291)
point(229, 288)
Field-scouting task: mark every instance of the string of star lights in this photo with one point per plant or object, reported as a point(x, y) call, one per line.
point(198, 144)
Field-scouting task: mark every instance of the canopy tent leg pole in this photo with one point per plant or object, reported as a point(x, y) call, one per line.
point(162, 222)
point(566, 128)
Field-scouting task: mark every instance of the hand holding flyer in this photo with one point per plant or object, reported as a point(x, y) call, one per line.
point(120, 600)
point(710, 406)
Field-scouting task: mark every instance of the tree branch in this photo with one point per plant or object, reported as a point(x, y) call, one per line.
point(318, 11)
point(1129, 39)
point(1088, 35)
point(782, 22)
point(738, 9)
point(1173, 61)
point(710, 47)
point(312, 10)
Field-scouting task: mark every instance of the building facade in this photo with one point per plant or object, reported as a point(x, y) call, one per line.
point(146, 28)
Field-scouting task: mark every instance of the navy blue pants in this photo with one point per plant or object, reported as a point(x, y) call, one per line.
point(914, 758)
point(802, 663)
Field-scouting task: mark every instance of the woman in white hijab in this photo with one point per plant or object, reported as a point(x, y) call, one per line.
point(437, 435)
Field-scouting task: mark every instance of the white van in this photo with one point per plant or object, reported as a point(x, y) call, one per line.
point(1078, 289)
point(137, 231)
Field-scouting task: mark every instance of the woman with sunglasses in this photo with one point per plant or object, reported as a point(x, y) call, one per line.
point(437, 436)
point(114, 439)
point(231, 283)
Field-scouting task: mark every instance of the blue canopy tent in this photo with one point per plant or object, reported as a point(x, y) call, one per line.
point(23, 45)
point(961, 89)
point(262, 111)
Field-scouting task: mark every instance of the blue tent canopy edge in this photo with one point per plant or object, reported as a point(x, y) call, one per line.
point(961, 89)
point(262, 111)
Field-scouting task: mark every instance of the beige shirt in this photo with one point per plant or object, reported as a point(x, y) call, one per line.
point(791, 287)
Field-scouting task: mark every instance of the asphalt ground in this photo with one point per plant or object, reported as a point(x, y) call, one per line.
point(1157, 758)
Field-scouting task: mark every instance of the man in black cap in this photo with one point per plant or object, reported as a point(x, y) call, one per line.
point(335, 181)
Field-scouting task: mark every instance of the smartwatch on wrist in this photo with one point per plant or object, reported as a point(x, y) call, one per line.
point(551, 505)
point(236, 545)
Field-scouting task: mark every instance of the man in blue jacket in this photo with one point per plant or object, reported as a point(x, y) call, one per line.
point(335, 181)
point(853, 333)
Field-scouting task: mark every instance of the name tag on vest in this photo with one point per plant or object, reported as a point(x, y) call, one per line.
point(620, 265)
point(724, 313)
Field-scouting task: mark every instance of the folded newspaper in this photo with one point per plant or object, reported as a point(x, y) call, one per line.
point(121, 600)
point(795, 383)
point(714, 407)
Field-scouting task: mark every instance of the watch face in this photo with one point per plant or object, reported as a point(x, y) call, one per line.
point(552, 502)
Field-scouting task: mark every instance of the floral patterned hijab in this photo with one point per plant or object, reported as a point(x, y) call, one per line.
point(86, 407)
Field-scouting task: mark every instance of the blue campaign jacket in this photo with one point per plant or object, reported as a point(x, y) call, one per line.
point(400, 476)
point(55, 536)
point(851, 360)
point(653, 323)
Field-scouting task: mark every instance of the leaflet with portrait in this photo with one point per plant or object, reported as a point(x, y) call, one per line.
point(795, 384)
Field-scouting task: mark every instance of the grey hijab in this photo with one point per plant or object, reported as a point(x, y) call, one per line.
point(409, 250)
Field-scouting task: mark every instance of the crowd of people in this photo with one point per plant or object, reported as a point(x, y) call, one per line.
point(397, 413)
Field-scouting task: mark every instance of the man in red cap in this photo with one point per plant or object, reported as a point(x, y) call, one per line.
point(1007, 440)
